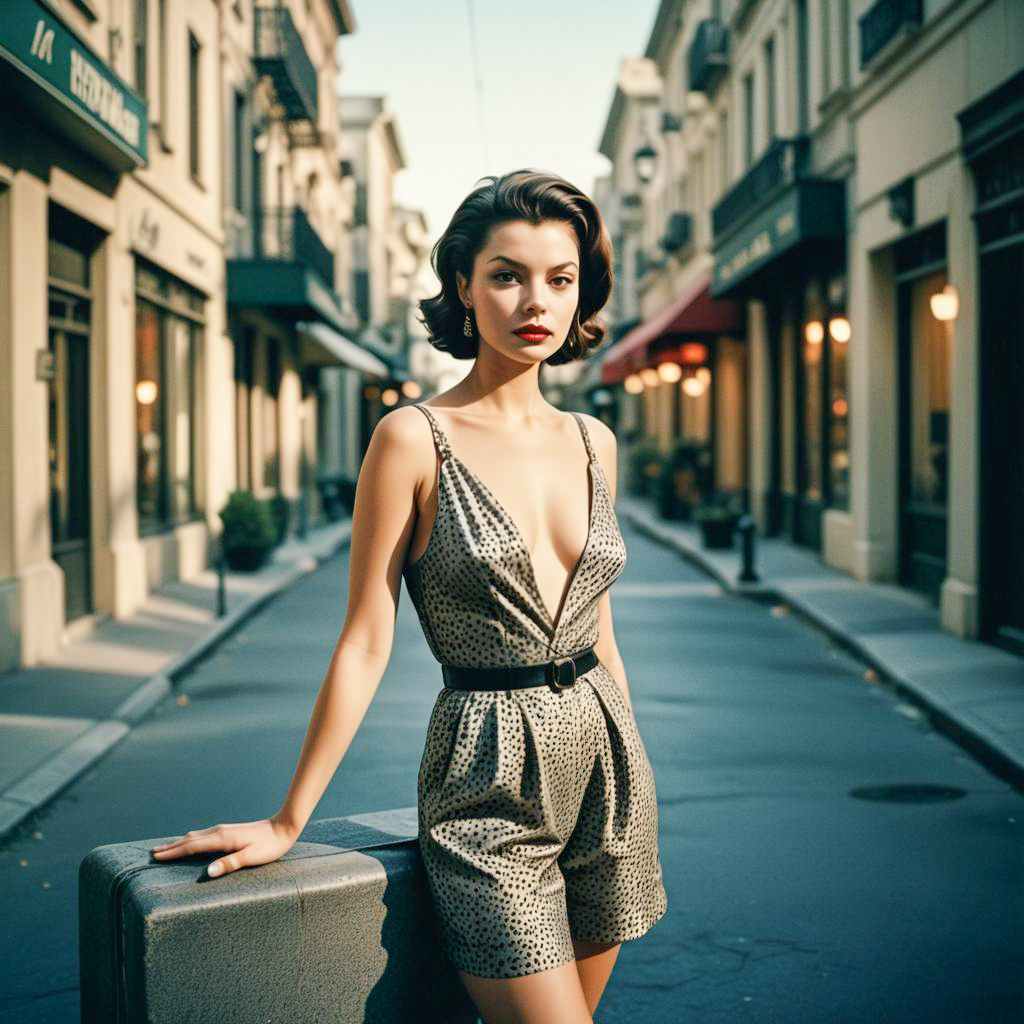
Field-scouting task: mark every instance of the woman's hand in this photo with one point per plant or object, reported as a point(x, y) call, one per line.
point(249, 844)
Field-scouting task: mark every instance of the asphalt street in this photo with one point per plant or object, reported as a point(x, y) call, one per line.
point(800, 888)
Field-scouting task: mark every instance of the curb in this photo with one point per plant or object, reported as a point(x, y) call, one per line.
point(985, 744)
point(34, 790)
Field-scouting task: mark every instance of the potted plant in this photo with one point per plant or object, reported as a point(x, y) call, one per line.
point(249, 531)
point(280, 511)
point(718, 517)
point(644, 467)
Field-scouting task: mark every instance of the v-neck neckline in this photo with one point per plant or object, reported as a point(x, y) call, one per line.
point(555, 621)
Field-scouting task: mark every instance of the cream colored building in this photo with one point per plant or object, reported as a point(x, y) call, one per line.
point(848, 169)
point(141, 145)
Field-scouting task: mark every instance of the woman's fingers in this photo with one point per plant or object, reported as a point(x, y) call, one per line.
point(215, 838)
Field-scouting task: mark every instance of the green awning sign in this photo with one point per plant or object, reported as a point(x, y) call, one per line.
point(71, 75)
point(809, 208)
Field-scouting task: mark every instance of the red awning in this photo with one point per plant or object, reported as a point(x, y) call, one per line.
point(692, 312)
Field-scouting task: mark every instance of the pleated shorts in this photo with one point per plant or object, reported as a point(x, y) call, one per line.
point(538, 824)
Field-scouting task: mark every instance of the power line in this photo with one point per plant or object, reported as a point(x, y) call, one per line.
point(479, 85)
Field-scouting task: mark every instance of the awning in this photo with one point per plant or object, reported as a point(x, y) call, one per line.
point(694, 311)
point(66, 85)
point(322, 345)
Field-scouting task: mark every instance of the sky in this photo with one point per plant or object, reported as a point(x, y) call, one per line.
point(547, 70)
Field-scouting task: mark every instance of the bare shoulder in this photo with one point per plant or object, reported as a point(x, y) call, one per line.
point(402, 441)
point(603, 438)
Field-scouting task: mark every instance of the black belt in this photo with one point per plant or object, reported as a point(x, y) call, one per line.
point(559, 674)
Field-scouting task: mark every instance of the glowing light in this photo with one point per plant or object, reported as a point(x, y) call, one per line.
point(814, 332)
point(703, 374)
point(945, 304)
point(145, 392)
point(389, 396)
point(694, 387)
point(649, 376)
point(839, 328)
point(633, 385)
point(670, 372)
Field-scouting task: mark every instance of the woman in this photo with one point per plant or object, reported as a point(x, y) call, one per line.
point(538, 821)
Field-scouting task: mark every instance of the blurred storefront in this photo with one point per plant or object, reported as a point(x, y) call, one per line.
point(780, 239)
point(687, 365)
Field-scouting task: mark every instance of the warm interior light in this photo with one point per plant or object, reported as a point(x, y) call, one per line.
point(694, 387)
point(703, 374)
point(145, 392)
point(649, 375)
point(632, 385)
point(945, 304)
point(411, 389)
point(839, 328)
point(670, 372)
point(814, 332)
point(389, 396)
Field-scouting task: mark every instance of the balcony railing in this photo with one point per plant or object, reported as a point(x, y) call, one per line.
point(678, 232)
point(785, 161)
point(278, 51)
point(884, 21)
point(707, 58)
point(283, 233)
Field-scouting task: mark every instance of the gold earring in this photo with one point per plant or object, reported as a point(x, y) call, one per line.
point(467, 326)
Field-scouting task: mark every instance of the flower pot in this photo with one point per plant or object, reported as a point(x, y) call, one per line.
point(246, 557)
point(718, 532)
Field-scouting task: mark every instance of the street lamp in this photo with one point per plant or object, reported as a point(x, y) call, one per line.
point(645, 160)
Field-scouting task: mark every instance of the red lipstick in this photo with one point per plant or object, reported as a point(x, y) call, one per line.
point(532, 332)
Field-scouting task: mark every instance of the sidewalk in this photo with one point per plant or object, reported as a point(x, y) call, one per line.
point(973, 691)
point(57, 718)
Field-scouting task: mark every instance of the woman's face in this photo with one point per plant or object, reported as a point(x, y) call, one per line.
point(524, 274)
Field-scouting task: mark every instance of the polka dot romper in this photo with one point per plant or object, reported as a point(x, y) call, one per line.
point(538, 818)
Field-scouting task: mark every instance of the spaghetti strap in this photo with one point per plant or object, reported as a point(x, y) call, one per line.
point(586, 437)
point(439, 438)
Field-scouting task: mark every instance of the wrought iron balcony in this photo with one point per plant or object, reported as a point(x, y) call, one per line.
point(678, 232)
point(283, 234)
point(278, 51)
point(884, 21)
point(707, 59)
point(783, 163)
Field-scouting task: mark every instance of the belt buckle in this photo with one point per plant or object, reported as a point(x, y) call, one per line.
point(555, 677)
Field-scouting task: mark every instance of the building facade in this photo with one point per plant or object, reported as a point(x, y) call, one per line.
point(175, 290)
point(849, 170)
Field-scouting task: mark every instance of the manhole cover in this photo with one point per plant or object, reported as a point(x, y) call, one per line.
point(909, 793)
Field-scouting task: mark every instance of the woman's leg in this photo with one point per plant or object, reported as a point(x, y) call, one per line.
point(594, 963)
point(554, 996)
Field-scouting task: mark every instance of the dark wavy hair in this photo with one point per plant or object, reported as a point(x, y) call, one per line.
point(529, 195)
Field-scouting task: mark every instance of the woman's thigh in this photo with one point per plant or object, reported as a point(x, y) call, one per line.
point(554, 996)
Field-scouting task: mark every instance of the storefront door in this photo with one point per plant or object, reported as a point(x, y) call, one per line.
point(925, 368)
point(1002, 440)
point(71, 243)
point(69, 450)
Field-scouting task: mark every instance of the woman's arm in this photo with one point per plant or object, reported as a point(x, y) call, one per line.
point(606, 449)
point(383, 519)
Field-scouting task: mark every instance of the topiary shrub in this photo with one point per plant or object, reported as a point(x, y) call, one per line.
point(249, 531)
point(281, 512)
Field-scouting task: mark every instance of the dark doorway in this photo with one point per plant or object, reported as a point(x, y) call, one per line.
point(70, 314)
point(1002, 434)
point(925, 384)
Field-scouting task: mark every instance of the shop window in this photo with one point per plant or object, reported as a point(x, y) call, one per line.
point(838, 411)
point(271, 445)
point(168, 330)
point(812, 364)
point(929, 380)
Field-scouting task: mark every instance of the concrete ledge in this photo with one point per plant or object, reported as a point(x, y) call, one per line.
point(341, 928)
